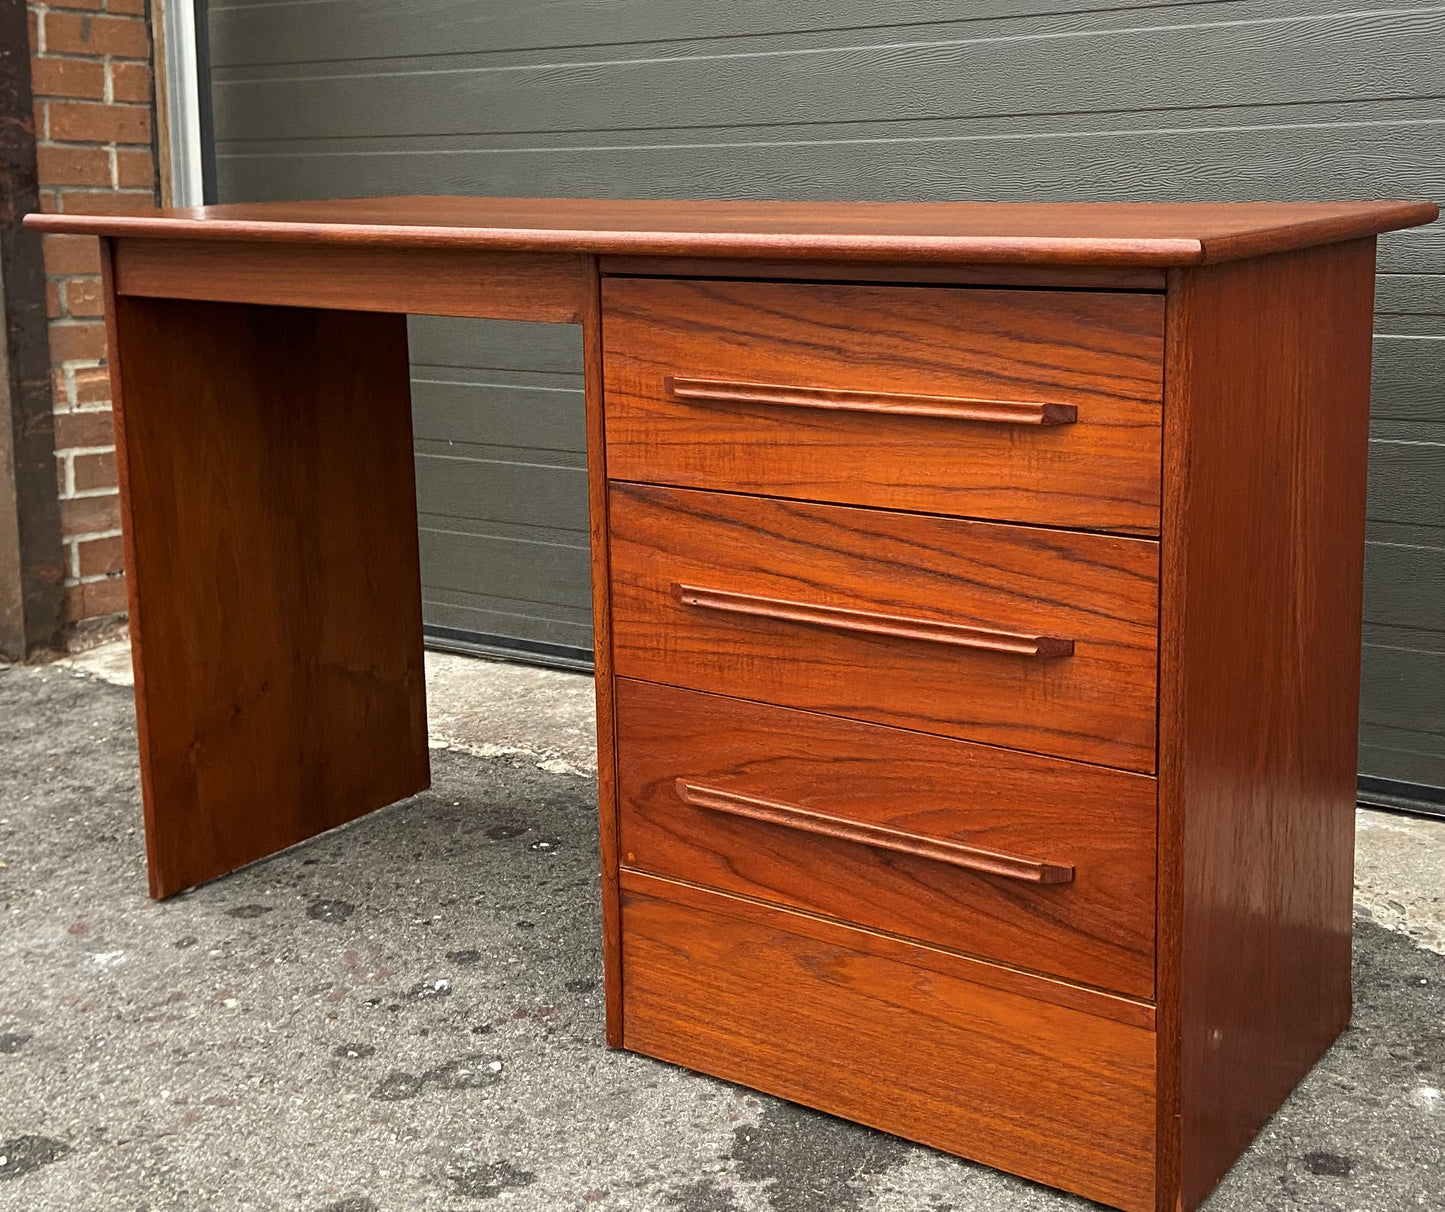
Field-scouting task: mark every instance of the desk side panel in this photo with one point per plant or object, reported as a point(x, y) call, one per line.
point(268, 500)
point(1266, 424)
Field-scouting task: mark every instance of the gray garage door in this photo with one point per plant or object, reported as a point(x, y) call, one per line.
point(1013, 99)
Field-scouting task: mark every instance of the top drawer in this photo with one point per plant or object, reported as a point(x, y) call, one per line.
point(1020, 405)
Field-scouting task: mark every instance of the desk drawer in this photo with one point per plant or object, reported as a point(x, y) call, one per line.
point(1019, 636)
point(1032, 861)
point(1028, 406)
point(1054, 1083)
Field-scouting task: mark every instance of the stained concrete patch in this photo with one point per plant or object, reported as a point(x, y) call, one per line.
point(702, 1195)
point(489, 1180)
point(329, 911)
point(225, 1046)
point(1331, 1165)
point(248, 913)
point(806, 1161)
point(22, 1154)
point(473, 1072)
point(429, 988)
point(10, 1042)
point(354, 1051)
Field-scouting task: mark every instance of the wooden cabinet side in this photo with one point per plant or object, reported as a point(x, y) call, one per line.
point(1266, 419)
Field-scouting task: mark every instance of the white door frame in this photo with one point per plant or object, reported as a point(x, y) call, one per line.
point(178, 102)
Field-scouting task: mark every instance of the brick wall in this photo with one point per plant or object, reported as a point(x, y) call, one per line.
point(91, 78)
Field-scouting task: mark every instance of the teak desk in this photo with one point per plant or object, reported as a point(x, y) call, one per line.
point(977, 599)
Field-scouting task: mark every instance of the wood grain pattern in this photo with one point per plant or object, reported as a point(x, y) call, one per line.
point(1044, 233)
point(879, 837)
point(1099, 591)
point(273, 575)
point(599, 535)
point(1098, 354)
point(1266, 425)
point(890, 1034)
point(1074, 277)
point(452, 282)
point(1097, 929)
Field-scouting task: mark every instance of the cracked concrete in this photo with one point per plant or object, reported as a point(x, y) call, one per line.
point(406, 1012)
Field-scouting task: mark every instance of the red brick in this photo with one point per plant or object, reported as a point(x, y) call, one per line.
point(95, 599)
point(93, 6)
point(59, 388)
point(71, 254)
point(96, 557)
point(94, 472)
point(130, 82)
point(83, 298)
point(82, 34)
point(92, 385)
point(54, 306)
point(90, 427)
point(61, 488)
point(105, 597)
point(98, 122)
point(86, 515)
point(135, 169)
point(49, 201)
point(67, 77)
point(124, 6)
point(38, 113)
point(73, 342)
point(105, 202)
point(73, 165)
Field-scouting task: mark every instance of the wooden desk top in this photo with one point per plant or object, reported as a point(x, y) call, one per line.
point(1157, 234)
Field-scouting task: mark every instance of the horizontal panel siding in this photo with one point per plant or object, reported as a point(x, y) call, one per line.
point(454, 407)
point(921, 99)
point(501, 478)
point(1272, 61)
point(1405, 587)
point(1402, 707)
point(262, 31)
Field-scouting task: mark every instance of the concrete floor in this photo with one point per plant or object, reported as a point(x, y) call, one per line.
point(406, 1013)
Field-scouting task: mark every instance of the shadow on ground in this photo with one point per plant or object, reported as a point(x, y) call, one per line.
point(406, 1014)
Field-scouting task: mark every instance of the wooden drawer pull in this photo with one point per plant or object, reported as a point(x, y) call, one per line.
point(790, 816)
point(897, 626)
point(952, 408)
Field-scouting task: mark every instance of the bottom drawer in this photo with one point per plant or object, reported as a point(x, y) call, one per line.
point(1029, 1075)
point(1053, 868)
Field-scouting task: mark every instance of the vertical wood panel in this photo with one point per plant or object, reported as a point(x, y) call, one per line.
point(1266, 424)
point(275, 597)
point(592, 345)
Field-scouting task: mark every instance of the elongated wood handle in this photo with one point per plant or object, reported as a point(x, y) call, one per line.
point(898, 626)
point(790, 816)
point(950, 408)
